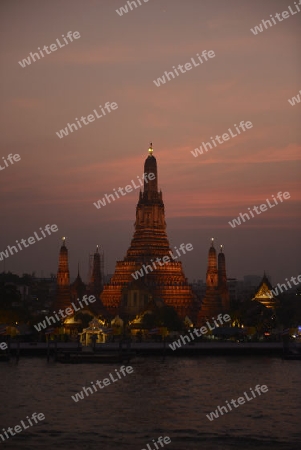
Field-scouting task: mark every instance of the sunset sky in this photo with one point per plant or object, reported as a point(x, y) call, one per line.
point(116, 59)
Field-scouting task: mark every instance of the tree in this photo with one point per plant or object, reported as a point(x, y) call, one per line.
point(165, 316)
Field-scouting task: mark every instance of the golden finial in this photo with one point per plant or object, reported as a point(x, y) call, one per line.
point(150, 150)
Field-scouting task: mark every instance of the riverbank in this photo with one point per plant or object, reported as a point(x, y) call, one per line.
point(152, 348)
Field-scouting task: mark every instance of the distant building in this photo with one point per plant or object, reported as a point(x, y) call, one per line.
point(232, 287)
point(42, 294)
point(217, 299)
point(247, 287)
point(67, 293)
point(264, 294)
point(63, 295)
point(252, 280)
point(96, 281)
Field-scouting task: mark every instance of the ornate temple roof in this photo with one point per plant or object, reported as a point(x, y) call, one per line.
point(264, 293)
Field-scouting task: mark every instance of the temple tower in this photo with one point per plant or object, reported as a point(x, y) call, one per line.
point(96, 285)
point(222, 281)
point(78, 287)
point(211, 303)
point(63, 294)
point(164, 281)
point(212, 273)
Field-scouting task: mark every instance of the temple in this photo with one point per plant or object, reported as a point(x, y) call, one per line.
point(264, 294)
point(222, 281)
point(141, 281)
point(63, 293)
point(165, 282)
point(96, 283)
point(67, 293)
point(217, 299)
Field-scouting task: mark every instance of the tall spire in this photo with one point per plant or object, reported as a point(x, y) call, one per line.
point(211, 302)
point(78, 287)
point(150, 167)
point(63, 298)
point(216, 299)
point(211, 276)
point(63, 276)
point(222, 277)
point(96, 279)
point(150, 207)
point(222, 281)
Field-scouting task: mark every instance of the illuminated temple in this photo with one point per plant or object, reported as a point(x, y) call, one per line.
point(166, 282)
point(67, 293)
point(131, 290)
point(217, 299)
point(265, 295)
point(63, 293)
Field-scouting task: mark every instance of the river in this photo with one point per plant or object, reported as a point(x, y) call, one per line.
point(168, 397)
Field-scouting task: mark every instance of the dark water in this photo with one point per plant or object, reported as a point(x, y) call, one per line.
point(169, 398)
